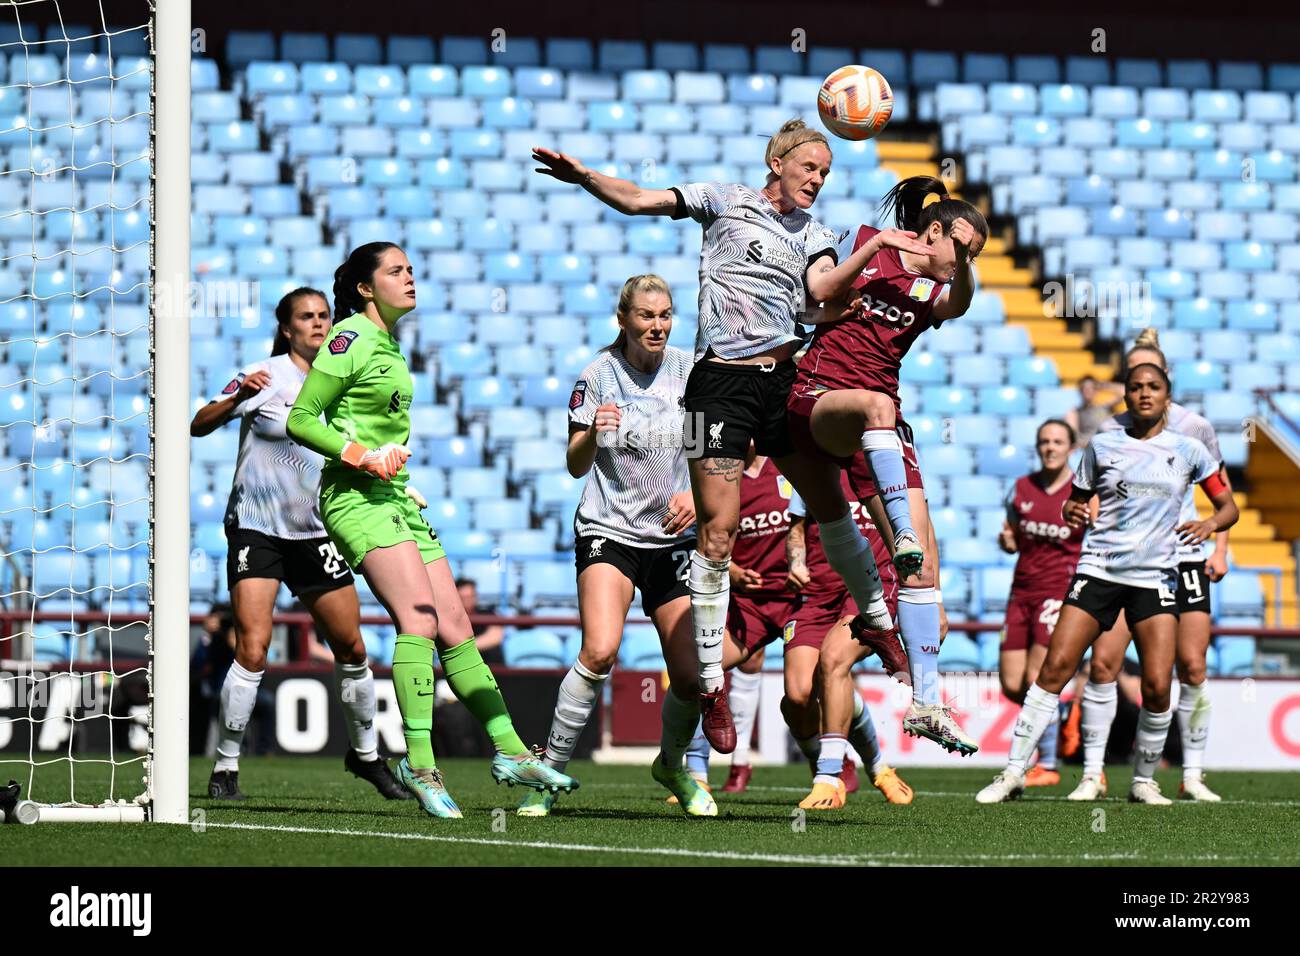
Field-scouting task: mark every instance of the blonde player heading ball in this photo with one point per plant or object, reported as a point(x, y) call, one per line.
point(761, 253)
point(1129, 562)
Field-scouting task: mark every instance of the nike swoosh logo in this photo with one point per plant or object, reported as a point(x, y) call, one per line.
point(714, 644)
point(384, 370)
point(421, 693)
point(1196, 600)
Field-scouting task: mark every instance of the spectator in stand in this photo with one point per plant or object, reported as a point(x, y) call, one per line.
point(1097, 403)
point(488, 637)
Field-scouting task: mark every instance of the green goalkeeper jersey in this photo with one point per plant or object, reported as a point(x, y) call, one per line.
point(361, 383)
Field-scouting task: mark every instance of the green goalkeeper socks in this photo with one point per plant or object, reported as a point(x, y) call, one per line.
point(474, 685)
point(413, 682)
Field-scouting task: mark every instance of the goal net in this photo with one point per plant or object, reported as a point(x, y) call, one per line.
point(94, 501)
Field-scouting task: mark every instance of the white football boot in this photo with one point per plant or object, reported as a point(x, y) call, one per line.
point(1147, 791)
point(1006, 786)
point(1091, 787)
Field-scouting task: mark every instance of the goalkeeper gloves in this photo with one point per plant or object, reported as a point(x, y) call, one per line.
point(419, 499)
point(383, 462)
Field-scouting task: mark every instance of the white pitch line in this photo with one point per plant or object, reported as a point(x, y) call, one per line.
point(893, 858)
point(841, 860)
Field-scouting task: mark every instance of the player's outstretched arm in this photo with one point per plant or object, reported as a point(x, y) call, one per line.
point(627, 197)
point(827, 281)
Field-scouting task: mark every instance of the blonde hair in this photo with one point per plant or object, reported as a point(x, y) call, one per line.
point(1148, 340)
point(642, 283)
point(792, 134)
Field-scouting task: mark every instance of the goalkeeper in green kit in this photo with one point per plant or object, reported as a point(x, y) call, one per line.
point(361, 384)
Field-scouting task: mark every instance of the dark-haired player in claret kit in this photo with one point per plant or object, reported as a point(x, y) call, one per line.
point(845, 401)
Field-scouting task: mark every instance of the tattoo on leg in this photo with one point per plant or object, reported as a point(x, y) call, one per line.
point(727, 468)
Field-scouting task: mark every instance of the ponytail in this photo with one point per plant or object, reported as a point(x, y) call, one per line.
point(906, 204)
point(1148, 340)
point(359, 267)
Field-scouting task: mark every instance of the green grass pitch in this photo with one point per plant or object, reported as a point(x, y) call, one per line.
point(309, 812)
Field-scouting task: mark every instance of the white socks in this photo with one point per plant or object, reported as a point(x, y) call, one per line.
point(356, 689)
point(744, 708)
point(1099, 704)
point(710, 587)
point(831, 759)
point(862, 735)
point(680, 719)
point(579, 692)
point(1193, 727)
point(1035, 717)
point(238, 695)
point(1150, 742)
point(849, 555)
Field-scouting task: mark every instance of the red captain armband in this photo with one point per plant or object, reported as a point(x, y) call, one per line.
point(1214, 485)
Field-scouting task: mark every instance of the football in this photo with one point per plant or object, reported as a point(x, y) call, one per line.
point(855, 102)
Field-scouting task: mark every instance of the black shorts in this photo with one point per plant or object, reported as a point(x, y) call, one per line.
point(1105, 599)
point(729, 404)
point(305, 564)
point(1193, 588)
point(658, 573)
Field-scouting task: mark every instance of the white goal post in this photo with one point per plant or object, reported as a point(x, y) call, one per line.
point(85, 483)
point(170, 547)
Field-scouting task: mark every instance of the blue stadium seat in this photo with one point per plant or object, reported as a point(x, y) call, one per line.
point(1003, 461)
point(1248, 316)
point(325, 78)
point(437, 80)
point(1064, 100)
point(668, 55)
point(1030, 130)
point(1087, 70)
point(1000, 399)
point(409, 50)
point(535, 647)
point(616, 56)
point(699, 88)
point(925, 368)
point(453, 453)
point(545, 392)
point(358, 49)
point(930, 68)
point(536, 83)
point(569, 54)
point(548, 581)
point(640, 648)
point(985, 68)
point(1236, 654)
point(464, 51)
point(519, 52)
point(245, 46)
point(778, 60)
point(968, 553)
point(994, 588)
point(1036, 69)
